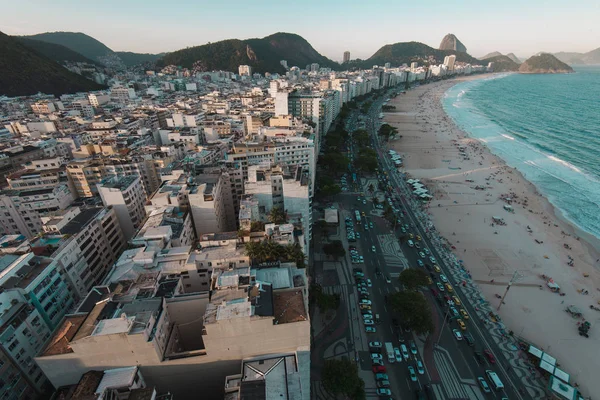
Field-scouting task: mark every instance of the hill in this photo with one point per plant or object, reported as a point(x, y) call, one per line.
point(572, 58)
point(490, 55)
point(54, 51)
point(263, 55)
point(407, 52)
point(544, 63)
point(513, 57)
point(451, 42)
point(76, 41)
point(24, 71)
point(503, 64)
point(131, 59)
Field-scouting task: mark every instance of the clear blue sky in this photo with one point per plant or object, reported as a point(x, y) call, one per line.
point(331, 26)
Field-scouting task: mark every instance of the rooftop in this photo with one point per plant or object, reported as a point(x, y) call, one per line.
point(81, 220)
point(289, 307)
point(120, 183)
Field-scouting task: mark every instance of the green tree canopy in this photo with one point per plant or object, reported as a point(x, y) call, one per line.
point(340, 377)
point(361, 137)
point(412, 278)
point(334, 249)
point(414, 309)
point(367, 160)
point(277, 216)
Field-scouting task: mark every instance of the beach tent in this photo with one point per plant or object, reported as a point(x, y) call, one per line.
point(552, 285)
point(561, 389)
point(508, 208)
point(535, 351)
point(549, 359)
point(562, 375)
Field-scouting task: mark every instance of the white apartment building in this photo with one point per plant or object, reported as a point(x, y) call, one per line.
point(122, 94)
point(245, 70)
point(211, 204)
point(126, 195)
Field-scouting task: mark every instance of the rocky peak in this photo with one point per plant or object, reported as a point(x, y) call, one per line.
point(451, 42)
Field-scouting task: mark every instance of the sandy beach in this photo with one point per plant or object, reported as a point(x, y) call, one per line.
point(470, 186)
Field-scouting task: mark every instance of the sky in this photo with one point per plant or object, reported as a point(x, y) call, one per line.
point(331, 26)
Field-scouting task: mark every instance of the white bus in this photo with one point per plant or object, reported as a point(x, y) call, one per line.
point(493, 377)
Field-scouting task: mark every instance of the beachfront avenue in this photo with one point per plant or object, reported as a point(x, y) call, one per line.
point(453, 359)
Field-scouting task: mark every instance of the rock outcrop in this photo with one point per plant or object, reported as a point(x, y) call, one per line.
point(451, 42)
point(544, 63)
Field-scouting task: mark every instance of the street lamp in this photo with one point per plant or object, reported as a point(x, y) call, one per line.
point(515, 278)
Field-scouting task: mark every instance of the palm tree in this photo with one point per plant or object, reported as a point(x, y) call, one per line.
point(371, 188)
point(277, 216)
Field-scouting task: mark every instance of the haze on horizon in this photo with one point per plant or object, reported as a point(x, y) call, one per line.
point(152, 26)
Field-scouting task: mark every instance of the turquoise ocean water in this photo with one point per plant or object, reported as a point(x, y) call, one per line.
point(546, 126)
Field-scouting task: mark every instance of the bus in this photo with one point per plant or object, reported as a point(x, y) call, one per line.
point(357, 214)
point(493, 377)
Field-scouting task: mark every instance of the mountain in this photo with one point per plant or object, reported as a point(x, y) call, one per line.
point(451, 42)
point(490, 55)
point(76, 41)
point(544, 63)
point(131, 59)
point(514, 58)
point(407, 52)
point(263, 55)
point(503, 64)
point(24, 71)
point(53, 51)
point(591, 57)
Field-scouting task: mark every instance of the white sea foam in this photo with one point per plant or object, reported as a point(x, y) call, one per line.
point(566, 164)
point(508, 136)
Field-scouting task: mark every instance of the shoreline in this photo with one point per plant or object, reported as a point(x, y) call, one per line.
point(531, 242)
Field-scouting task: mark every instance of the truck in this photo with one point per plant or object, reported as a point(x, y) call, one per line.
point(389, 349)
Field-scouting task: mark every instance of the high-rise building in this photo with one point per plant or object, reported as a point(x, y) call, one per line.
point(346, 56)
point(245, 70)
point(314, 67)
point(126, 195)
point(449, 62)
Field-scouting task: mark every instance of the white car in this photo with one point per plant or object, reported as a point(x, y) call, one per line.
point(457, 334)
point(404, 351)
point(368, 322)
point(376, 356)
point(420, 368)
point(397, 354)
point(369, 283)
point(443, 278)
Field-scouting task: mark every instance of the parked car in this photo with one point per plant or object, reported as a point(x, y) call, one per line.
point(436, 268)
point(490, 357)
point(404, 351)
point(443, 278)
point(375, 345)
point(484, 385)
point(411, 373)
point(449, 287)
point(376, 356)
point(370, 329)
point(383, 392)
point(397, 354)
point(383, 384)
point(379, 369)
point(381, 377)
point(440, 287)
point(413, 347)
point(464, 314)
point(420, 263)
point(462, 325)
point(368, 322)
point(373, 249)
point(420, 368)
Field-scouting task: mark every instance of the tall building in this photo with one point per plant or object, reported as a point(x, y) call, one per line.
point(127, 197)
point(449, 62)
point(314, 67)
point(245, 70)
point(346, 57)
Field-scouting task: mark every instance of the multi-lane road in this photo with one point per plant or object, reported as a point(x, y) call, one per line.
point(452, 367)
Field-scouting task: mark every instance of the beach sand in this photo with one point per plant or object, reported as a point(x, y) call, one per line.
point(463, 215)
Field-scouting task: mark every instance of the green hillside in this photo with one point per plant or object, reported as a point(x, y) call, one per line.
point(76, 41)
point(503, 64)
point(407, 52)
point(24, 71)
point(544, 63)
point(54, 51)
point(263, 54)
point(131, 59)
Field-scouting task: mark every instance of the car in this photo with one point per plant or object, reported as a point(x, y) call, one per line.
point(397, 354)
point(371, 225)
point(379, 369)
point(421, 254)
point(443, 278)
point(484, 385)
point(420, 263)
point(411, 236)
point(362, 213)
point(381, 377)
point(436, 268)
point(376, 356)
point(361, 259)
point(383, 383)
point(449, 287)
point(376, 362)
point(366, 302)
point(403, 229)
point(426, 251)
point(375, 345)
point(364, 307)
point(413, 347)
point(384, 392)
point(469, 339)
point(432, 259)
point(440, 287)
point(368, 322)
point(357, 234)
point(370, 329)
point(456, 300)
point(454, 312)
point(404, 351)
point(434, 292)
point(358, 199)
point(490, 357)
point(366, 314)
point(457, 334)
point(366, 227)
point(411, 373)
point(411, 243)
point(364, 202)
point(464, 314)
point(369, 283)
point(417, 245)
point(388, 280)
point(462, 325)
point(373, 249)
point(418, 237)
point(420, 368)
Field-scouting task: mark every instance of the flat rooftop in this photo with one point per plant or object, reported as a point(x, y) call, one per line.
point(121, 183)
point(289, 307)
point(81, 220)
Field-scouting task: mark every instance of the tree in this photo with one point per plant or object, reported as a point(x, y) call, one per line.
point(412, 278)
point(387, 131)
point(388, 214)
point(367, 160)
point(340, 377)
point(322, 225)
point(277, 216)
point(334, 249)
point(371, 188)
point(414, 310)
point(361, 137)
point(334, 161)
point(257, 226)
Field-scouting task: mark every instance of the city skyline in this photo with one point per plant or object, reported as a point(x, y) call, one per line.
point(161, 28)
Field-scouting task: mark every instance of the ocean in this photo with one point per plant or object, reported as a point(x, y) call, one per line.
point(546, 126)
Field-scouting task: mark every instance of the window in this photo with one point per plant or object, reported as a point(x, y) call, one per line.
point(12, 346)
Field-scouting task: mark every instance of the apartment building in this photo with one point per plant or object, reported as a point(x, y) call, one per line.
point(245, 70)
point(211, 201)
point(126, 196)
point(148, 323)
point(172, 222)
